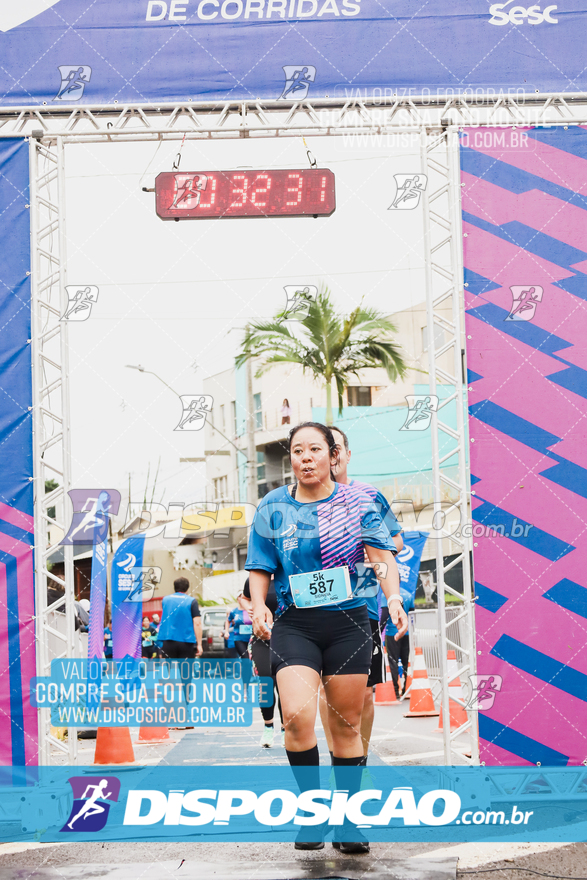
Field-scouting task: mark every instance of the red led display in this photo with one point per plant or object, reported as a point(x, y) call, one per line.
point(192, 194)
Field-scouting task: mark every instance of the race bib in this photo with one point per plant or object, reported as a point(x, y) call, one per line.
point(245, 629)
point(326, 587)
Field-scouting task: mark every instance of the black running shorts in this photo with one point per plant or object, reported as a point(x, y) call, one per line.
point(376, 671)
point(333, 642)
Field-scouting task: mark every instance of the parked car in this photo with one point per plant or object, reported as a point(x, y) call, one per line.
point(212, 628)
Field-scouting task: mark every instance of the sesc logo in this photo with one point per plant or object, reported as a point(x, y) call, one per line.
point(519, 14)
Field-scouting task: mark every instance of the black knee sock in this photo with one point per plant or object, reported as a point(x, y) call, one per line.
point(309, 758)
point(348, 774)
point(305, 767)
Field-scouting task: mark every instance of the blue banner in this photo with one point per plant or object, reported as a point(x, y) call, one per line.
point(53, 51)
point(408, 561)
point(421, 804)
point(99, 583)
point(126, 577)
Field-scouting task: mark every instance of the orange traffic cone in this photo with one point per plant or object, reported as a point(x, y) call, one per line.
point(114, 746)
point(408, 681)
point(421, 700)
point(458, 716)
point(385, 694)
point(152, 735)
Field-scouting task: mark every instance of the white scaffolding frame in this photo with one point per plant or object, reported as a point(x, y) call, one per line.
point(444, 288)
point(51, 428)
point(437, 119)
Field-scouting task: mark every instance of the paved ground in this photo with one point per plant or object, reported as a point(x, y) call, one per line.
point(568, 861)
point(396, 740)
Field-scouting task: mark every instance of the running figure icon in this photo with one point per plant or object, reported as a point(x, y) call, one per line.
point(409, 191)
point(195, 411)
point(79, 302)
point(525, 299)
point(419, 412)
point(189, 190)
point(73, 82)
point(90, 806)
point(297, 81)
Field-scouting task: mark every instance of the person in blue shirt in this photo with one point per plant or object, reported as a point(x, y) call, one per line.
point(369, 588)
point(180, 630)
point(228, 634)
point(398, 647)
point(107, 642)
point(311, 536)
point(240, 626)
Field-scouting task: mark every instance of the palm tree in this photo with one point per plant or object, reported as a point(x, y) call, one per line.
point(328, 344)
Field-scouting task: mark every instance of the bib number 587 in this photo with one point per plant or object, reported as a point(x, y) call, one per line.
point(319, 587)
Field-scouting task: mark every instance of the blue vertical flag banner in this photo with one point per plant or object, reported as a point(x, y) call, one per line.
point(99, 582)
point(127, 574)
point(408, 561)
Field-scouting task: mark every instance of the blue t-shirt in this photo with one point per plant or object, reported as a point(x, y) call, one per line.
point(289, 537)
point(229, 642)
point(177, 615)
point(239, 625)
point(107, 642)
point(370, 583)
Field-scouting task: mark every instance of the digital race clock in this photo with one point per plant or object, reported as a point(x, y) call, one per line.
point(193, 194)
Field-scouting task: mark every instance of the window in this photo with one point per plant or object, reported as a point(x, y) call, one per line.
point(258, 412)
point(359, 395)
point(220, 485)
point(233, 417)
point(286, 470)
point(438, 337)
point(222, 419)
point(262, 486)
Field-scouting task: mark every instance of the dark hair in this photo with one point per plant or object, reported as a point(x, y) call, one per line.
point(324, 430)
point(326, 433)
point(181, 585)
point(343, 435)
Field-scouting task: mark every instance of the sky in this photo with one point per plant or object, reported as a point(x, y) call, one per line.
point(174, 297)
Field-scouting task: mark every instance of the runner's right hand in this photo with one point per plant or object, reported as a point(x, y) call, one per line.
point(262, 623)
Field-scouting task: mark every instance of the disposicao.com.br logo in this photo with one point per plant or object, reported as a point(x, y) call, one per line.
point(281, 807)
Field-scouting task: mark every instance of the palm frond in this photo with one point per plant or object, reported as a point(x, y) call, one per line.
point(326, 343)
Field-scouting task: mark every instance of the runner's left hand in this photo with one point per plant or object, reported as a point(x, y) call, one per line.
point(262, 623)
point(400, 619)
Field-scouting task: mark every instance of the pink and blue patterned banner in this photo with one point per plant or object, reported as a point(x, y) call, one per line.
point(18, 720)
point(525, 248)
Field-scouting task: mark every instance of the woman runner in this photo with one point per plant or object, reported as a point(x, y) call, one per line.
point(311, 536)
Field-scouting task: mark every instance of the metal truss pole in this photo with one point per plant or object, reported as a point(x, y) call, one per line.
point(468, 641)
point(55, 623)
point(443, 275)
point(88, 123)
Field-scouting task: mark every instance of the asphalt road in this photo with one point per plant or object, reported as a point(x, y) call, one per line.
point(395, 740)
